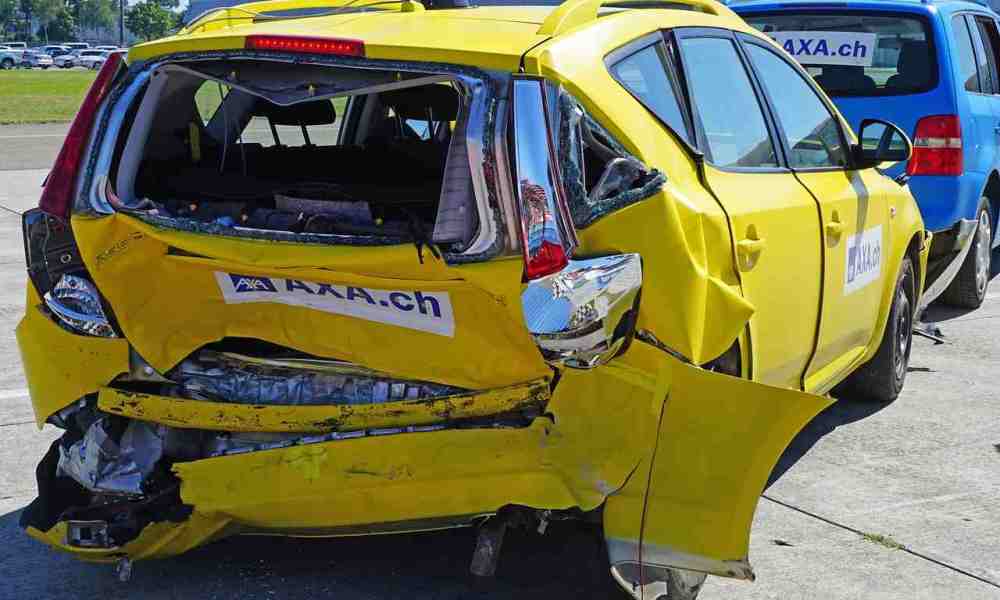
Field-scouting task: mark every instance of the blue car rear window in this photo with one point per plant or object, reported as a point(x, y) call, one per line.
point(856, 54)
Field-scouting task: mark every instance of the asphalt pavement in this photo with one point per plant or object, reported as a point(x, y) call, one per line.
point(869, 501)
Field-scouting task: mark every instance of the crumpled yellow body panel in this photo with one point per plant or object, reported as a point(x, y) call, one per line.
point(687, 306)
point(185, 413)
point(603, 423)
point(719, 439)
point(61, 367)
point(162, 287)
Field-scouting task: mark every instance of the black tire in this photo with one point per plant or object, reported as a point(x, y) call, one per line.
point(881, 379)
point(968, 290)
point(7, 64)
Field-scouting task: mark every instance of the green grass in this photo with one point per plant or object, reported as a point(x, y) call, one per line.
point(882, 540)
point(38, 96)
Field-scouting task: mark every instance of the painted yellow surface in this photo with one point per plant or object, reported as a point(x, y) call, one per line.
point(215, 416)
point(61, 367)
point(573, 459)
point(489, 336)
point(719, 439)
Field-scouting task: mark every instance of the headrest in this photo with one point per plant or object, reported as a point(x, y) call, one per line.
point(914, 58)
point(413, 103)
point(314, 112)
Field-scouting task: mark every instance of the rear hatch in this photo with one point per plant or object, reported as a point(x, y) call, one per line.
point(331, 208)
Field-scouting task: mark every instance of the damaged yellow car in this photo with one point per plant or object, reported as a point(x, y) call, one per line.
point(334, 268)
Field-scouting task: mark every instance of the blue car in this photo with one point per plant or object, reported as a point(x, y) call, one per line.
point(932, 69)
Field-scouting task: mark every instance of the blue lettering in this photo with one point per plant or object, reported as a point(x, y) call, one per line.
point(789, 47)
point(844, 50)
point(860, 50)
point(398, 299)
point(353, 292)
point(421, 300)
point(804, 47)
point(821, 47)
point(325, 288)
point(294, 284)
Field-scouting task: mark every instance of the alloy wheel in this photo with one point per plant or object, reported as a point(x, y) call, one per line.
point(983, 252)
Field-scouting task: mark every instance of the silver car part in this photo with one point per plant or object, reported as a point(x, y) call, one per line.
point(538, 186)
point(229, 377)
point(583, 316)
point(77, 304)
point(100, 464)
point(88, 534)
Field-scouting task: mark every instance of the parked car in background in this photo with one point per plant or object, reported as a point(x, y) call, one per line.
point(35, 59)
point(10, 58)
point(16, 45)
point(253, 329)
point(91, 59)
point(66, 61)
point(931, 68)
point(55, 50)
point(108, 48)
point(77, 45)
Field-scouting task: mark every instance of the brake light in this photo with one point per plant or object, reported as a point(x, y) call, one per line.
point(306, 45)
point(547, 235)
point(57, 197)
point(937, 147)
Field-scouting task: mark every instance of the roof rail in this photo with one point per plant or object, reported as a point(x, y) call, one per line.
point(578, 12)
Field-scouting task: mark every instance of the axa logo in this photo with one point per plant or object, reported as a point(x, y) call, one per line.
point(863, 258)
point(250, 283)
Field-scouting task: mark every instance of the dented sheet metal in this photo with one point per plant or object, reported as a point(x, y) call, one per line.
point(718, 441)
point(405, 481)
point(213, 415)
point(179, 305)
point(54, 384)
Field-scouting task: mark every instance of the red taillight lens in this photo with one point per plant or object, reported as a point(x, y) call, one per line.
point(57, 197)
point(306, 45)
point(937, 147)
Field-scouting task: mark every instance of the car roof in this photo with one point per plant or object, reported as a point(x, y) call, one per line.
point(484, 36)
point(913, 6)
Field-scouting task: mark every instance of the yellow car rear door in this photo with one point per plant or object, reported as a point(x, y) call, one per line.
point(853, 209)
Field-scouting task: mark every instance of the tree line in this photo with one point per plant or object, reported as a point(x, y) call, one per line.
point(46, 21)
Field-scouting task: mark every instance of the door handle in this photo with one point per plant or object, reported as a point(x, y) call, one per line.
point(751, 247)
point(834, 228)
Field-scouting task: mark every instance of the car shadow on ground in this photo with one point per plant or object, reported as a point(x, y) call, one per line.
point(938, 312)
point(569, 561)
point(841, 412)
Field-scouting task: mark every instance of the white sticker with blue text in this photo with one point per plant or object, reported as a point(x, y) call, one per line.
point(828, 47)
point(412, 309)
point(864, 259)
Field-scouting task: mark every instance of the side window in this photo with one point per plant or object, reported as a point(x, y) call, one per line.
point(811, 132)
point(208, 98)
point(726, 105)
point(990, 40)
point(645, 75)
point(984, 65)
point(966, 57)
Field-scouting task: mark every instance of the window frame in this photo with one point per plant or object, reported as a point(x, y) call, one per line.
point(824, 99)
point(622, 53)
point(989, 45)
point(929, 36)
point(680, 33)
